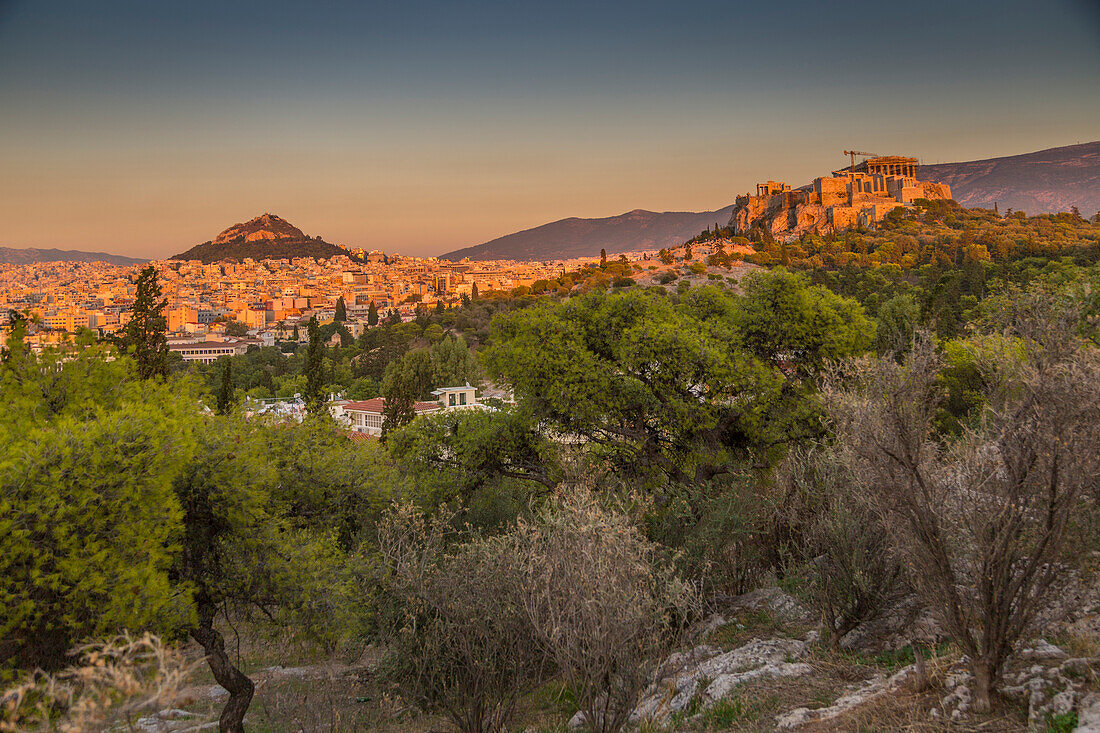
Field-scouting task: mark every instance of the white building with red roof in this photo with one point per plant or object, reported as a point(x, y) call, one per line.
point(365, 416)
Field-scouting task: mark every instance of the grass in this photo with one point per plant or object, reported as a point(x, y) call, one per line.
point(738, 709)
point(1064, 723)
point(892, 661)
point(744, 627)
point(1077, 644)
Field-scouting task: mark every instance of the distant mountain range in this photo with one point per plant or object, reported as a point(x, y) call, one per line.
point(1047, 181)
point(575, 237)
point(267, 237)
point(1044, 182)
point(11, 256)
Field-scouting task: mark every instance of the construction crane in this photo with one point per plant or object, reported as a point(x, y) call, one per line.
point(854, 153)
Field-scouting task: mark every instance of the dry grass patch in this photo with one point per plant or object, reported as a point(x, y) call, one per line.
point(909, 711)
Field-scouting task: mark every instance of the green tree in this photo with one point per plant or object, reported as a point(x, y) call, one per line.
point(787, 321)
point(15, 348)
point(245, 545)
point(88, 522)
point(603, 259)
point(372, 314)
point(898, 319)
point(485, 464)
point(453, 363)
point(434, 333)
point(314, 369)
point(341, 310)
point(146, 332)
point(225, 389)
point(236, 328)
point(473, 292)
point(627, 372)
point(406, 381)
point(680, 388)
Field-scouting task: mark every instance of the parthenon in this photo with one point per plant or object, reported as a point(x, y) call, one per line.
point(887, 165)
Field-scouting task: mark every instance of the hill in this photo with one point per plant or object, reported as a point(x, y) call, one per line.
point(12, 256)
point(1047, 181)
point(267, 237)
point(576, 237)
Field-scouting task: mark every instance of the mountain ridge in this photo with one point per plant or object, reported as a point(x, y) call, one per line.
point(1040, 182)
point(585, 237)
point(31, 255)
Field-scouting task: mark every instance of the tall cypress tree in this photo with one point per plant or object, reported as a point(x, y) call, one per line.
point(315, 371)
point(146, 333)
point(341, 311)
point(372, 314)
point(473, 292)
point(225, 392)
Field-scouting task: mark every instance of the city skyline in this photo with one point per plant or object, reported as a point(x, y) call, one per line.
point(143, 130)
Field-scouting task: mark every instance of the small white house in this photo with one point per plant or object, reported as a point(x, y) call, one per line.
point(464, 397)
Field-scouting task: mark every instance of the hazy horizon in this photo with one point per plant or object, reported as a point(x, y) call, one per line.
point(142, 130)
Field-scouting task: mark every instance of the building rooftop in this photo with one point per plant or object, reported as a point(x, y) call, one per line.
point(377, 404)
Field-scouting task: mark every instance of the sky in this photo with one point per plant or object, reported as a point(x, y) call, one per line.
point(144, 128)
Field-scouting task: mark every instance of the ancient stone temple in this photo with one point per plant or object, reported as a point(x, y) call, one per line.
point(859, 195)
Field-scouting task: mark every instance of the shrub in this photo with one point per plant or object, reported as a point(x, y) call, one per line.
point(110, 682)
point(839, 541)
point(461, 643)
point(715, 530)
point(600, 603)
point(666, 277)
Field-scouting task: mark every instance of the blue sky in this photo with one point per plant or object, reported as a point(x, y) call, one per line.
point(419, 127)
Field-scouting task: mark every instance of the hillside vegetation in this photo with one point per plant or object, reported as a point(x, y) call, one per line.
point(849, 484)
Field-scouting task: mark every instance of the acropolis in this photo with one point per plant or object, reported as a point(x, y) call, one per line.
point(858, 195)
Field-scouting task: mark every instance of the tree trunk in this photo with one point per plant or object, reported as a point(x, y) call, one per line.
point(921, 683)
point(232, 679)
point(983, 680)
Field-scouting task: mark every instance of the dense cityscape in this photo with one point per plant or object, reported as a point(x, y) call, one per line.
point(271, 298)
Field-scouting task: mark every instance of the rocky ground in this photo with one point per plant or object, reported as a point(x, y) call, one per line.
point(757, 664)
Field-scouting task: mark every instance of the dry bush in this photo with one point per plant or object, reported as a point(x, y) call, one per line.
point(600, 602)
point(111, 682)
point(460, 641)
point(983, 521)
point(853, 574)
